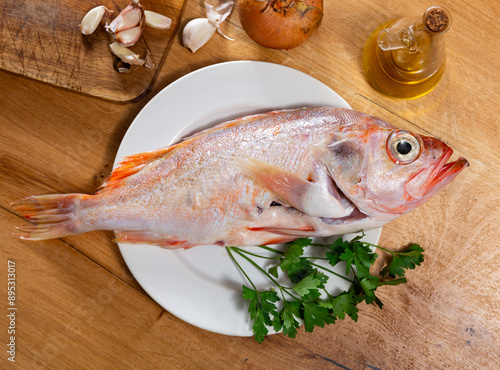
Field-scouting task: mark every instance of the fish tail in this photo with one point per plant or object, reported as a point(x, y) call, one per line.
point(51, 216)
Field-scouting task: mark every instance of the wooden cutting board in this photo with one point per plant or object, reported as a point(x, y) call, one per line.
point(41, 40)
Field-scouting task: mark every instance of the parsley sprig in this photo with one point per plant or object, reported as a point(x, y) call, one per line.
point(307, 300)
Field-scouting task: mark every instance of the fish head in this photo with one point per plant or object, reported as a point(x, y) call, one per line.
point(387, 172)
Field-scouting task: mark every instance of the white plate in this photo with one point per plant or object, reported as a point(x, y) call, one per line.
point(201, 285)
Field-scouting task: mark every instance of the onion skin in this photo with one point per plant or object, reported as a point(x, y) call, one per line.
point(280, 24)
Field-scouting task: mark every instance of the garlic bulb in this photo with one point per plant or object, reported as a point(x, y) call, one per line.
point(92, 19)
point(200, 30)
point(127, 29)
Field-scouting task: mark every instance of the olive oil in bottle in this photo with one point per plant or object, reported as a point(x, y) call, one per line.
point(405, 58)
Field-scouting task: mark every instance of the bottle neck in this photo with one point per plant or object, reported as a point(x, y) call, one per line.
point(400, 35)
point(413, 34)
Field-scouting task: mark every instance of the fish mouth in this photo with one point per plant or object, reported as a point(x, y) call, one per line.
point(441, 175)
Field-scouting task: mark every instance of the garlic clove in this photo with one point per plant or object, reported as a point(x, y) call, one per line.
point(197, 33)
point(157, 21)
point(128, 18)
point(129, 37)
point(92, 19)
point(126, 55)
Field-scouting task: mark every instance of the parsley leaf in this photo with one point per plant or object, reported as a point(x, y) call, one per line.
point(261, 308)
point(316, 315)
point(307, 303)
point(369, 285)
point(335, 250)
point(299, 270)
point(344, 303)
point(293, 264)
point(287, 319)
point(364, 259)
point(310, 284)
point(294, 251)
point(355, 253)
point(408, 259)
point(348, 256)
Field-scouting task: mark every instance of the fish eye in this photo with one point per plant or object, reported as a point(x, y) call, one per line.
point(403, 147)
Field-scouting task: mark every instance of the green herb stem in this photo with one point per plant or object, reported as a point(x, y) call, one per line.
point(282, 288)
point(392, 282)
point(382, 248)
point(332, 272)
point(271, 249)
point(255, 255)
point(307, 304)
point(241, 269)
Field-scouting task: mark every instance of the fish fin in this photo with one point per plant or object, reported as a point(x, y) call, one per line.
point(231, 123)
point(150, 238)
point(296, 232)
point(51, 216)
point(314, 198)
point(280, 239)
point(131, 165)
point(135, 163)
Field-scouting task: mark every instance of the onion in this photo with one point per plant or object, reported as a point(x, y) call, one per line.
point(280, 24)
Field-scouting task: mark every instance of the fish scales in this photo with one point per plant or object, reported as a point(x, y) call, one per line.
point(260, 179)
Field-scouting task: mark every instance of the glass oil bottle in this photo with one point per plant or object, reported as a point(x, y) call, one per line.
point(405, 58)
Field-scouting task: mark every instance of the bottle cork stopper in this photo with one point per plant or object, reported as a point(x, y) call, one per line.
point(437, 20)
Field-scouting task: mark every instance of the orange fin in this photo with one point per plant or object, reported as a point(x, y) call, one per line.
point(131, 165)
point(231, 123)
point(280, 239)
point(51, 216)
point(299, 231)
point(281, 182)
point(134, 163)
point(317, 197)
point(150, 238)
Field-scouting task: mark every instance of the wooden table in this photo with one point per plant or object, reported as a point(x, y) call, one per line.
point(79, 306)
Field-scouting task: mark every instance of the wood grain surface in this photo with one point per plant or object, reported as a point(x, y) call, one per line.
point(42, 40)
point(79, 306)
